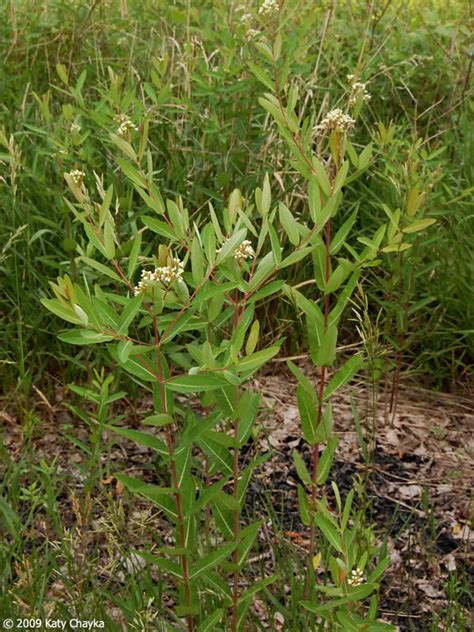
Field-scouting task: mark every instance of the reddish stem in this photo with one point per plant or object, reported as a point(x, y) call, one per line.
point(322, 381)
point(174, 477)
point(235, 474)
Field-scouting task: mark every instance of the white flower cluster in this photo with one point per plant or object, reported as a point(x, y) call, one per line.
point(76, 176)
point(163, 274)
point(75, 128)
point(247, 19)
point(358, 89)
point(244, 251)
point(335, 120)
point(268, 8)
point(125, 124)
point(356, 578)
point(252, 33)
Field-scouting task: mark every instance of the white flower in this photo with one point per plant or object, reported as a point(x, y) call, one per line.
point(125, 124)
point(356, 578)
point(76, 176)
point(244, 251)
point(358, 90)
point(75, 128)
point(335, 120)
point(163, 274)
point(252, 33)
point(268, 8)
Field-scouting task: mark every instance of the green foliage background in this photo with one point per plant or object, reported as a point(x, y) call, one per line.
point(187, 68)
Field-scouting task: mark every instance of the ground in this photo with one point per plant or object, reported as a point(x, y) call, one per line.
point(419, 486)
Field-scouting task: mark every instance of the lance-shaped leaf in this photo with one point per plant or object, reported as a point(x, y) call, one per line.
point(301, 468)
point(138, 365)
point(344, 374)
point(160, 496)
point(83, 337)
point(420, 224)
point(64, 311)
point(209, 624)
point(128, 314)
point(219, 456)
point(304, 507)
point(230, 245)
point(246, 540)
point(307, 407)
point(246, 412)
point(143, 438)
point(341, 235)
point(329, 531)
point(167, 565)
point(325, 461)
point(256, 360)
point(289, 223)
point(211, 560)
point(323, 349)
point(200, 382)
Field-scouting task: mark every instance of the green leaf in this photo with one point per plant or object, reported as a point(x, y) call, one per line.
point(378, 570)
point(301, 468)
point(142, 438)
point(102, 269)
point(295, 256)
point(325, 461)
point(314, 200)
point(224, 518)
point(211, 560)
point(257, 586)
point(124, 349)
point(137, 365)
point(308, 412)
point(261, 76)
point(230, 245)
point(128, 314)
point(10, 518)
point(247, 412)
point(159, 227)
point(344, 296)
point(301, 377)
point(210, 622)
point(124, 146)
point(167, 565)
point(303, 504)
point(420, 224)
point(65, 312)
point(323, 431)
point(340, 237)
point(326, 354)
point(197, 261)
point(321, 176)
point(252, 339)
point(256, 360)
point(83, 337)
point(160, 420)
point(134, 252)
point(157, 495)
point(344, 374)
point(338, 277)
point(200, 382)
point(329, 531)
point(246, 541)
point(290, 225)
